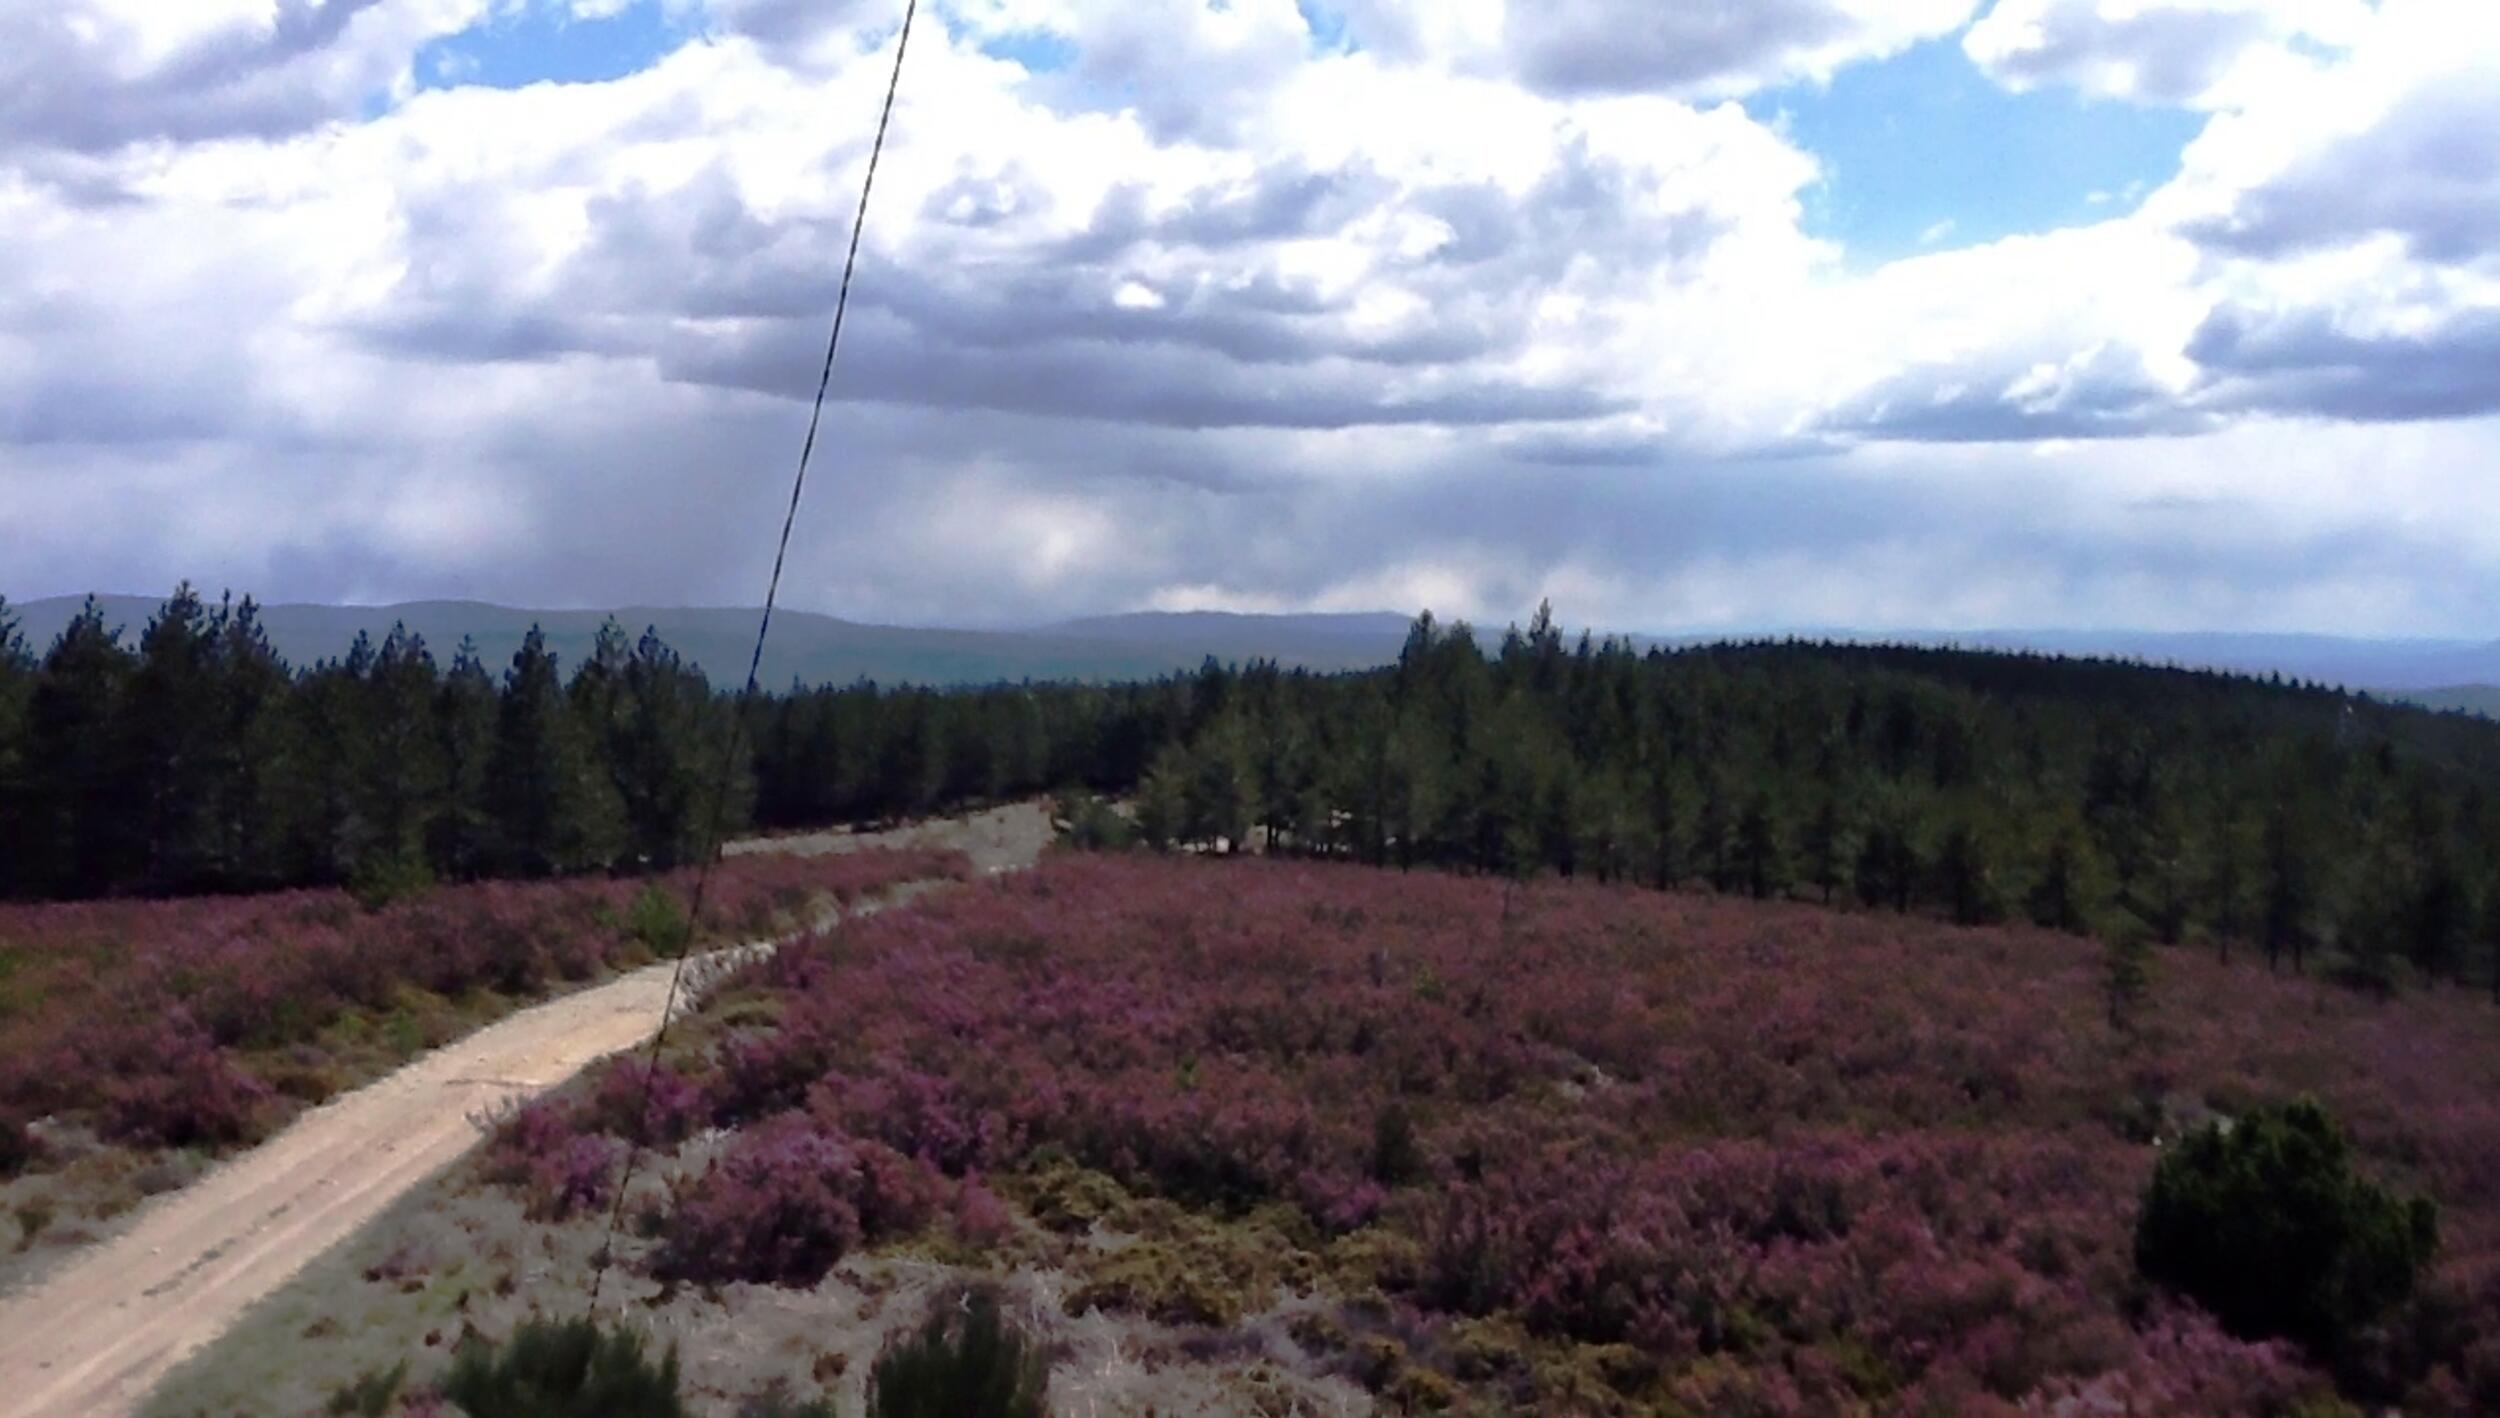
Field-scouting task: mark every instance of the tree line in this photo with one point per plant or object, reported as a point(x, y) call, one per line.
point(194, 759)
point(2088, 796)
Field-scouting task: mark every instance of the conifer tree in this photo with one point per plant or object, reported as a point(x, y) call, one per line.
point(17, 687)
point(1162, 800)
point(1964, 879)
point(668, 738)
point(325, 800)
point(555, 810)
point(81, 791)
point(1824, 848)
point(1218, 794)
point(1663, 834)
point(2057, 899)
point(404, 778)
point(2488, 927)
point(1760, 858)
point(172, 741)
point(2284, 892)
point(253, 686)
point(460, 840)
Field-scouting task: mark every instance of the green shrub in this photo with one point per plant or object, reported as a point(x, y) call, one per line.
point(18, 1148)
point(1397, 1154)
point(370, 1395)
point(659, 922)
point(380, 882)
point(2127, 975)
point(564, 1370)
point(33, 1217)
point(1086, 823)
point(2265, 1223)
point(965, 1361)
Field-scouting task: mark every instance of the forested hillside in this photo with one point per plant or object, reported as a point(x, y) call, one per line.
point(2083, 795)
point(2089, 796)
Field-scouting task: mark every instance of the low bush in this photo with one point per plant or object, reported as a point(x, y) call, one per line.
point(564, 1370)
point(162, 1081)
point(644, 1102)
point(1793, 1159)
point(1086, 823)
point(559, 1171)
point(2266, 1224)
point(166, 1023)
point(385, 881)
point(788, 1200)
point(371, 1394)
point(18, 1146)
point(659, 923)
point(965, 1361)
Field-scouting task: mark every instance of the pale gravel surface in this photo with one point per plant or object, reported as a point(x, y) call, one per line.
point(99, 1332)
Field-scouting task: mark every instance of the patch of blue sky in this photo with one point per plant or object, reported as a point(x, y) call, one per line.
point(1328, 27)
point(1039, 51)
point(1923, 151)
point(542, 41)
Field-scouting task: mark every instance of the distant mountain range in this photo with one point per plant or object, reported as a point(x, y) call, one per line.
point(817, 649)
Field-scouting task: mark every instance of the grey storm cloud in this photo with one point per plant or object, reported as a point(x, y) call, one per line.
point(1137, 381)
point(2110, 394)
point(2302, 362)
point(60, 84)
point(1611, 46)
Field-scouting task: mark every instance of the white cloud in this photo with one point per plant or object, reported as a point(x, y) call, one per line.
point(1640, 46)
point(91, 76)
point(2198, 53)
point(1620, 46)
point(1221, 314)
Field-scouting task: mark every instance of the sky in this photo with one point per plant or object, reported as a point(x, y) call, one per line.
point(1692, 316)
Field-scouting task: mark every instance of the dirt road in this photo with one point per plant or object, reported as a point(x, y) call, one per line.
point(94, 1337)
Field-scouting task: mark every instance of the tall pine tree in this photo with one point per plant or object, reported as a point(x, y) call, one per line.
point(554, 808)
point(82, 791)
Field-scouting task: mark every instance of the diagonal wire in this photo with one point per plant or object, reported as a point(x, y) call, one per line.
point(736, 742)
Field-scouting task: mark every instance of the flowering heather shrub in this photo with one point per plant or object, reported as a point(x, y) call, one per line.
point(1791, 1158)
point(161, 1021)
point(646, 1102)
point(558, 1170)
point(162, 1081)
point(788, 1200)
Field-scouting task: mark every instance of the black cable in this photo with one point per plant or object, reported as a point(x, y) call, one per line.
point(755, 669)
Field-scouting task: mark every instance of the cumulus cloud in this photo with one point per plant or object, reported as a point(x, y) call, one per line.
point(1179, 303)
point(2305, 361)
point(2350, 221)
point(93, 75)
point(2398, 139)
point(2198, 53)
point(1630, 46)
point(1635, 46)
point(2074, 334)
point(1038, 261)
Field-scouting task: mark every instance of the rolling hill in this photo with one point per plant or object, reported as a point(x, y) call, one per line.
point(821, 649)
